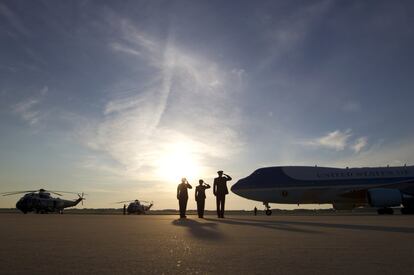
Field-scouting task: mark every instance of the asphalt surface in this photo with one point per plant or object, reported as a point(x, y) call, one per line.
point(111, 244)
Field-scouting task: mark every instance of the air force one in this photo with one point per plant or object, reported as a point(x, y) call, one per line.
point(379, 187)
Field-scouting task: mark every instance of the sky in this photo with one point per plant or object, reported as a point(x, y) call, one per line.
point(121, 99)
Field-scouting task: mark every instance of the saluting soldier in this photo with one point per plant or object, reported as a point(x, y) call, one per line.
point(182, 196)
point(220, 191)
point(200, 197)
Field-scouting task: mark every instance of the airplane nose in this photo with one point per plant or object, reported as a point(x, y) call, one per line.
point(236, 187)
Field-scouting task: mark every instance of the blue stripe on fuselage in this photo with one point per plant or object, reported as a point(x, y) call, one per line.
point(275, 177)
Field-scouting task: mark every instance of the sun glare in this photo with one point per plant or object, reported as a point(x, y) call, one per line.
point(177, 162)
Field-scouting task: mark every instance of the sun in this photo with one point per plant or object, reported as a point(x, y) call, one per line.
point(178, 161)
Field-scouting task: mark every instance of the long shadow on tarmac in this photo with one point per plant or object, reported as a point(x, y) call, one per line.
point(266, 224)
point(276, 224)
point(207, 231)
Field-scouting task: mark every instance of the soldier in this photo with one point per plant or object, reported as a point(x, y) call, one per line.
point(255, 211)
point(200, 197)
point(220, 191)
point(182, 196)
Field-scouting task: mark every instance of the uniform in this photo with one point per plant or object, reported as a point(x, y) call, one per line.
point(220, 191)
point(200, 197)
point(182, 196)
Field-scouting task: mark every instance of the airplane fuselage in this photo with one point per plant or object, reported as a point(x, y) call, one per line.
point(348, 187)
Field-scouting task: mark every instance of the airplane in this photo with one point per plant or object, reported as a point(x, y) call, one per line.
point(40, 201)
point(344, 188)
point(136, 206)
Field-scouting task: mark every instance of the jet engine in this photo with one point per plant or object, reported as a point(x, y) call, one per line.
point(383, 197)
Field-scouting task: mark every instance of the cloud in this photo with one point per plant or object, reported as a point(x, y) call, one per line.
point(338, 140)
point(284, 33)
point(381, 153)
point(27, 108)
point(183, 114)
point(14, 20)
point(125, 49)
point(351, 106)
point(359, 144)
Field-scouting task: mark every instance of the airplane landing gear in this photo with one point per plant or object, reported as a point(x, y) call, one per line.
point(407, 210)
point(267, 211)
point(388, 211)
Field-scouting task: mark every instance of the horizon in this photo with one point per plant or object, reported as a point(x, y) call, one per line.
point(121, 101)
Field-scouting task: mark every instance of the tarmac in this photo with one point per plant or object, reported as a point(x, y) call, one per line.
point(164, 244)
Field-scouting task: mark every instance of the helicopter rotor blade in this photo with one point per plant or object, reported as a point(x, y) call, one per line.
point(124, 201)
point(17, 192)
point(64, 192)
point(30, 191)
point(39, 190)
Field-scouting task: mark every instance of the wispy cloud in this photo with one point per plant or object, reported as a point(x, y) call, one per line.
point(351, 106)
point(14, 20)
point(27, 108)
point(185, 110)
point(122, 48)
point(292, 29)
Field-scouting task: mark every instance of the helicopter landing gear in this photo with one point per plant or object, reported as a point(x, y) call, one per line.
point(267, 211)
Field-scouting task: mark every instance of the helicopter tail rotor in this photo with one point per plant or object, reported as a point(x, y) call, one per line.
point(81, 197)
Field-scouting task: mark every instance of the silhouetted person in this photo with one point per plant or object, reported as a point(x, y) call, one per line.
point(182, 196)
point(124, 209)
point(220, 191)
point(200, 197)
point(255, 211)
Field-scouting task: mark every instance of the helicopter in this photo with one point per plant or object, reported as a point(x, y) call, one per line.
point(40, 201)
point(136, 206)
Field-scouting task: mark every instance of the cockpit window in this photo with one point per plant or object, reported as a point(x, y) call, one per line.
point(256, 173)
